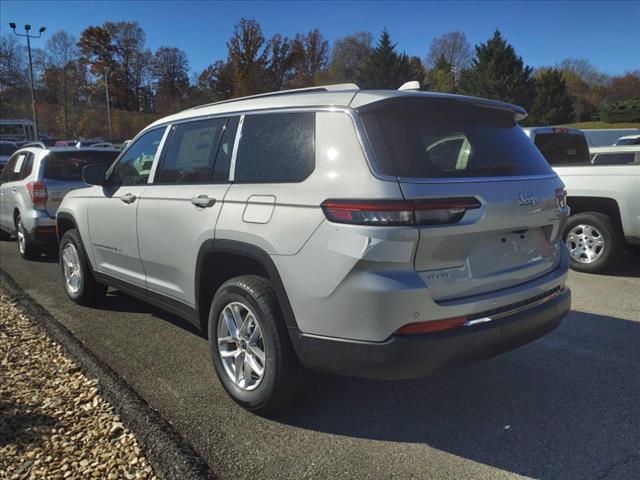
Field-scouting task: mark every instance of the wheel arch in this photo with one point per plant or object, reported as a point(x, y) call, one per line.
point(64, 222)
point(604, 205)
point(220, 260)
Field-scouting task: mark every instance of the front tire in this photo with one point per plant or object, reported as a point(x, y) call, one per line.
point(26, 246)
point(79, 283)
point(250, 347)
point(593, 241)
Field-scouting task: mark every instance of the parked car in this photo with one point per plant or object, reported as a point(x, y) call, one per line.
point(65, 143)
point(7, 148)
point(607, 136)
point(16, 130)
point(602, 192)
point(32, 186)
point(628, 140)
point(616, 155)
point(88, 142)
point(382, 234)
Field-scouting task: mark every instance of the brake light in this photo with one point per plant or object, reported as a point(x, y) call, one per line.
point(398, 212)
point(431, 327)
point(38, 194)
point(560, 130)
point(561, 197)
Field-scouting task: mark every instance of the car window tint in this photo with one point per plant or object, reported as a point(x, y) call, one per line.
point(432, 138)
point(225, 150)
point(614, 158)
point(67, 166)
point(135, 165)
point(191, 152)
point(563, 148)
point(276, 147)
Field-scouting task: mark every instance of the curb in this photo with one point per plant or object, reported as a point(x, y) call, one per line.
point(168, 453)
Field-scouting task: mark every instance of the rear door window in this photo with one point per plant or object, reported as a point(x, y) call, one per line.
point(276, 147)
point(563, 148)
point(427, 138)
point(67, 166)
point(191, 152)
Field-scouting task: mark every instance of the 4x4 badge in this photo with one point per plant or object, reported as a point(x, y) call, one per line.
point(524, 200)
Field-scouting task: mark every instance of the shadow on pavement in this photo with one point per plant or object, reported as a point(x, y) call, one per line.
point(553, 409)
point(116, 301)
point(626, 265)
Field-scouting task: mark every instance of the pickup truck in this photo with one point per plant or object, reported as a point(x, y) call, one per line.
point(603, 192)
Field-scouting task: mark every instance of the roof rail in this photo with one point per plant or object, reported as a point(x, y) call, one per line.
point(34, 145)
point(321, 88)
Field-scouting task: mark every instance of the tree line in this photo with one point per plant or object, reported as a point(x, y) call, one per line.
point(72, 76)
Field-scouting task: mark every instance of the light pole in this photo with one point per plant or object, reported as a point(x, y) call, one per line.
point(107, 73)
point(33, 97)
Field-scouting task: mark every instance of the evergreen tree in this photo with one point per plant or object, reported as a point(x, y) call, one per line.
point(386, 68)
point(552, 104)
point(441, 77)
point(498, 73)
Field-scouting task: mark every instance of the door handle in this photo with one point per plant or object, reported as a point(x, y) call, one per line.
point(203, 201)
point(128, 198)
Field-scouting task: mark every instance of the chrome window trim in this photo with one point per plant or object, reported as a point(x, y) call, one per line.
point(156, 158)
point(234, 153)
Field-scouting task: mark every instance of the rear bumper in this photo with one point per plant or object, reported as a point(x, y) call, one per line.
point(411, 356)
point(40, 227)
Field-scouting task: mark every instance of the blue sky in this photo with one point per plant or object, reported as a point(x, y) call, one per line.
point(543, 33)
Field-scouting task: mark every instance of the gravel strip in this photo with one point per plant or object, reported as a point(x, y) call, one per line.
point(53, 421)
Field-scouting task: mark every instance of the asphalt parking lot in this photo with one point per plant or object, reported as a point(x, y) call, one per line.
point(566, 406)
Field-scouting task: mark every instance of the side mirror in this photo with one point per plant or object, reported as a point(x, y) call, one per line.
point(95, 174)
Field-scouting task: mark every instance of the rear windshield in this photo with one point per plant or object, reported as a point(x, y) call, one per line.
point(563, 148)
point(8, 148)
point(67, 166)
point(445, 139)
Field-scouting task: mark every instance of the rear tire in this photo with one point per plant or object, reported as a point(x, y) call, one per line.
point(28, 249)
point(593, 241)
point(79, 283)
point(235, 339)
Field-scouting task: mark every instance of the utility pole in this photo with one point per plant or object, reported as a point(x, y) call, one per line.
point(107, 72)
point(33, 97)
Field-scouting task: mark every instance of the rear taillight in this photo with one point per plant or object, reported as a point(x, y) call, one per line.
point(398, 212)
point(561, 197)
point(38, 194)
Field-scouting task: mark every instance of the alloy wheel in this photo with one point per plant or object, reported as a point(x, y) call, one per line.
point(585, 243)
point(241, 346)
point(71, 268)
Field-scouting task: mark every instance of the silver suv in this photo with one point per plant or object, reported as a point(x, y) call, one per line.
point(32, 185)
point(382, 234)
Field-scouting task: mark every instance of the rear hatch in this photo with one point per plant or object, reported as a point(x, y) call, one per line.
point(63, 172)
point(449, 150)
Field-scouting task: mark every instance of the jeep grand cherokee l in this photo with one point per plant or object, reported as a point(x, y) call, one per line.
point(383, 234)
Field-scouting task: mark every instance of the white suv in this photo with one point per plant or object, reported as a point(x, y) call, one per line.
point(383, 234)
